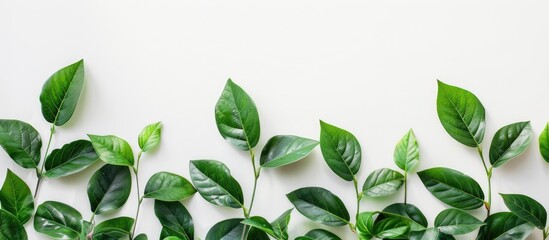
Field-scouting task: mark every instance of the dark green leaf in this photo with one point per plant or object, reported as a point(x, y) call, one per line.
point(365, 225)
point(141, 236)
point(382, 182)
point(407, 152)
point(10, 227)
point(149, 137)
point(285, 149)
point(321, 234)
point(232, 229)
point(320, 205)
point(341, 150)
point(280, 224)
point(215, 184)
point(58, 220)
point(544, 143)
point(509, 142)
point(261, 224)
point(171, 238)
point(168, 187)
point(505, 225)
point(21, 141)
point(115, 228)
point(16, 197)
point(408, 211)
point(236, 117)
point(71, 158)
point(526, 208)
point(461, 114)
point(113, 150)
point(392, 228)
point(60, 93)
point(453, 188)
point(109, 188)
point(175, 219)
point(86, 229)
point(456, 222)
point(430, 234)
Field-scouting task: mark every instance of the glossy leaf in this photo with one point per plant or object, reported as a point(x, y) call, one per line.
point(509, 142)
point(391, 228)
point(171, 238)
point(285, 149)
point(113, 150)
point(149, 137)
point(407, 152)
point(237, 118)
point(280, 224)
point(60, 93)
point(109, 188)
point(382, 182)
point(505, 226)
point(58, 220)
point(16, 197)
point(115, 228)
point(526, 208)
point(321, 234)
point(408, 211)
point(21, 141)
point(215, 184)
point(430, 234)
point(453, 188)
point(365, 225)
point(168, 187)
point(461, 114)
point(141, 236)
point(86, 228)
point(544, 143)
point(456, 222)
point(175, 219)
point(320, 205)
point(232, 229)
point(71, 158)
point(341, 150)
point(261, 224)
point(10, 227)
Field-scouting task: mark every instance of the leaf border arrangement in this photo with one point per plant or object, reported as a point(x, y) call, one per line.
point(460, 112)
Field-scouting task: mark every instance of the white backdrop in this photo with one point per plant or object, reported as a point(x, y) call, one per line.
point(367, 66)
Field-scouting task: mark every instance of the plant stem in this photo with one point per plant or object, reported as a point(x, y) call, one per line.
point(489, 177)
point(358, 197)
point(40, 173)
point(405, 187)
point(139, 198)
point(249, 210)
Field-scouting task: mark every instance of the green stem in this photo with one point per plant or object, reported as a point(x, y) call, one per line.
point(405, 187)
point(139, 198)
point(358, 197)
point(40, 173)
point(247, 212)
point(489, 177)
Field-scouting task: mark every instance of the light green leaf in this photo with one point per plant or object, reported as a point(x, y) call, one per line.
point(280, 224)
point(175, 219)
point(232, 229)
point(16, 197)
point(141, 236)
point(285, 149)
point(430, 234)
point(407, 152)
point(544, 143)
point(526, 208)
point(382, 182)
point(215, 184)
point(71, 158)
point(149, 137)
point(320, 205)
point(168, 187)
point(113, 150)
point(261, 224)
point(408, 211)
point(509, 142)
point(109, 188)
point(392, 228)
point(115, 228)
point(21, 141)
point(456, 222)
point(341, 150)
point(10, 227)
point(58, 220)
point(365, 225)
point(319, 234)
point(505, 226)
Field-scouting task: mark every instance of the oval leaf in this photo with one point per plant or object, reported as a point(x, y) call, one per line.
point(237, 118)
point(392, 228)
point(58, 220)
point(505, 225)
point(408, 211)
point(453, 188)
point(280, 224)
point(320, 205)
point(544, 143)
point(509, 142)
point(430, 234)
point(175, 219)
point(16, 197)
point(260, 223)
point(71, 158)
point(10, 227)
point(365, 225)
point(285, 149)
point(141, 236)
point(232, 229)
point(407, 152)
point(461, 114)
point(382, 182)
point(113, 150)
point(340, 150)
point(456, 222)
point(109, 188)
point(168, 187)
point(21, 141)
point(215, 184)
point(60, 93)
point(149, 137)
point(526, 208)
point(321, 234)
point(116, 228)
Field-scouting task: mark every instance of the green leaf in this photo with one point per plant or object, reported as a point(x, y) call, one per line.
point(456, 222)
point(149, 137)
point(430, 234)
point(505, 226)
point(71, 158)
point(261, 224)
point(237, 118)
point(215, 184)
point(109, 188)
point(341, 150)
point(461, 114)
point(58, 220)
point(115, 228)
point(453, 188)
point(168, 187)
point(407, 152)
point(392, 228)
point(10, 227)
point(86, 228)
point(382, 182)
point(175, 219)
point(171, 238)
point(509, 142)
point(526, 208)
point(409, 211)
point(280, 224)
point(544, 143)
point(285, 149)
point(113, 150)
point(21, 141)
point(60, 93)
point(141, 236)
point(16, 197)
point(320, 205)
point(232, 229)
point(320, 234)
point(365, 225)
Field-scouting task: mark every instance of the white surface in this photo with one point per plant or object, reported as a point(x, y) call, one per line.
point(366, 66)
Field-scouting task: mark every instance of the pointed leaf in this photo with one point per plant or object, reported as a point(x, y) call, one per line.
point(365, 225)
point(321, 234)
point(280, 224)
point(16, 197)
point(149, 137)
point(544, 143)
point(509, 142)
point(21, 141)
point(10, 227)
point(115, 228)
point(141, 236)
point(408, 211)
point(109, 188)
point(232, 229)
point(285, 149)
point(168, 187)
point(71, 158)
point(407, 152)
point(261, 224)
point(382, 182)
point(215, 184)
point(392, 228)
point(320, 205)
point(112, 150)
point(430, 234)
point(456, 222)
point(526, 208)
point(58, 220)
point(175, 219)
point(340, 150)
point(505, 226)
